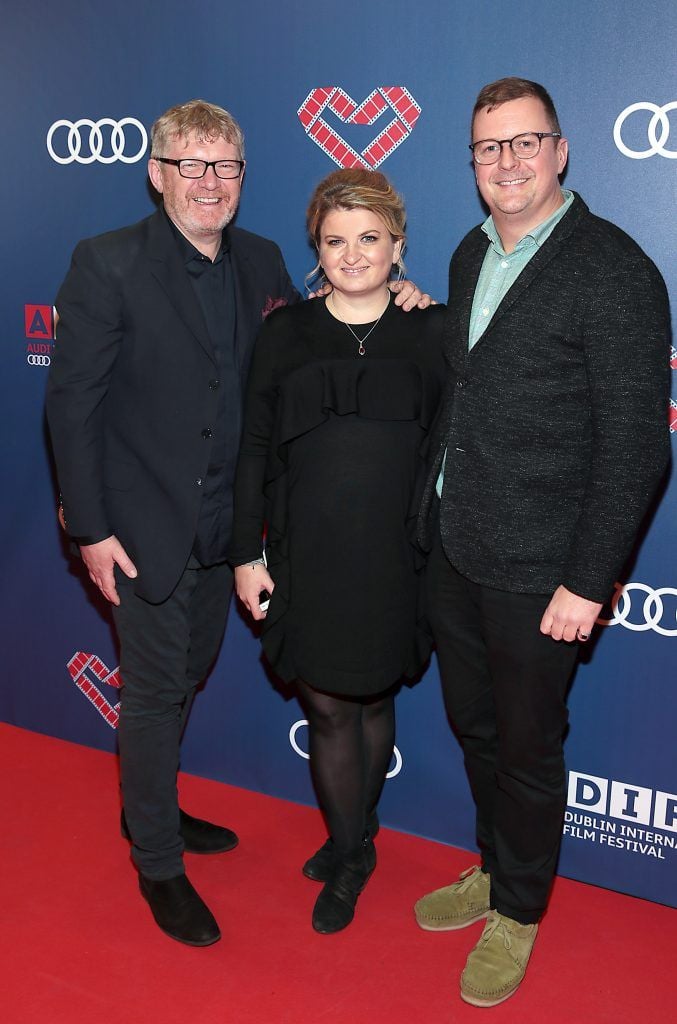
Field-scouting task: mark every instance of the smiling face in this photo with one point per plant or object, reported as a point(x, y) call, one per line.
point(520, 194)
point(357, 252)
point(200, 207)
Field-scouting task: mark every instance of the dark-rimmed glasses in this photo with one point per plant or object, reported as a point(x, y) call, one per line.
point(189, 168)
point(525, 146)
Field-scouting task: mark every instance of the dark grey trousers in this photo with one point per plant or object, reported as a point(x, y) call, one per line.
point(166, 650)
point(504, 685)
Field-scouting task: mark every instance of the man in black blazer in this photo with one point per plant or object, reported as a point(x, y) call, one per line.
point(551, 442)
point(156, 327)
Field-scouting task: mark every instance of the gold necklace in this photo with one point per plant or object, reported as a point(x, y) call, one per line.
point(360, 341)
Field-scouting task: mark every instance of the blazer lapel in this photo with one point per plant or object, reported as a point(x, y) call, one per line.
point(462, 292)
point(244, 281)
point(547, 252)
point(168, 269)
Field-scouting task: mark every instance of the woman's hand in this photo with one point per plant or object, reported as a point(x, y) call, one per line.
point(250, 580)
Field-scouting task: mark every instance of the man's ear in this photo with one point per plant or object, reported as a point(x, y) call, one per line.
point(562, 154)
point(155, 175)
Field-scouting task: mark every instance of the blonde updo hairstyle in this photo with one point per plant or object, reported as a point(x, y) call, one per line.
point(351, 189)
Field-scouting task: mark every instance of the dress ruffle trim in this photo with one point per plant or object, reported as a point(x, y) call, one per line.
point(393, 389)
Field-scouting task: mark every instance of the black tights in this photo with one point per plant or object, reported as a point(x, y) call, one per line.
point(351, 743)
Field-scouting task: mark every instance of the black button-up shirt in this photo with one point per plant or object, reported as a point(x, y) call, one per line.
point(214, 288)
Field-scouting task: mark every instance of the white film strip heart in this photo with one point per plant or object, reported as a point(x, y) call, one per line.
point(82, 667)
point(396, 97)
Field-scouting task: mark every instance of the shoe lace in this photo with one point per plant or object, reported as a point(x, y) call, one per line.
point(493, 925)
point(467, 878)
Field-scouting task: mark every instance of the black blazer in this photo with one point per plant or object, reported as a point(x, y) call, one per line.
point(555, 424)
point(129, 391)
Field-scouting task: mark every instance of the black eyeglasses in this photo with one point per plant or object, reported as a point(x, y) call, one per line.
point(524, 146)
point(189, 168)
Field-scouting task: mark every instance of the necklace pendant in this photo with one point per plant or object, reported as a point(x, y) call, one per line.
point(361, 350)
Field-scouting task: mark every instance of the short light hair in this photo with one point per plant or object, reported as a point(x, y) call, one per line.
point(206, 120)
point(506, 89)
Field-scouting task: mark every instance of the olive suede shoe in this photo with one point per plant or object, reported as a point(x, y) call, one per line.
point(457, 905)
point(498, 963)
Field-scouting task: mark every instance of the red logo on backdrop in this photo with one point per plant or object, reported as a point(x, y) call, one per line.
point(395, 97)
point(673, 357)
point(39, 321)
point(672, 416)
point(87, 671)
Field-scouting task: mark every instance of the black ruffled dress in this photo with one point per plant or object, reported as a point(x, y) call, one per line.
point(332, 461)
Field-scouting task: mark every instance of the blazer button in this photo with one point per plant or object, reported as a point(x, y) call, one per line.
point(206, 433)
point(461, 383)
point(198, 482)
point(213, 384)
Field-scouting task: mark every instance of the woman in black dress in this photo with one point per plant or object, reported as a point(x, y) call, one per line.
point(341, 395)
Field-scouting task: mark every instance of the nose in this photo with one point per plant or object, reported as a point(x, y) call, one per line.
point(507, 159)
point(210, 178)
point(352, 252)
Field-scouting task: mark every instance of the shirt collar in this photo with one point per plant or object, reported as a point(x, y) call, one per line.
point(537, 235)
point(188, 250)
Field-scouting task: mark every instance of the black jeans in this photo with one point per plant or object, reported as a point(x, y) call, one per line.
point(504, 686)
point(166, 650)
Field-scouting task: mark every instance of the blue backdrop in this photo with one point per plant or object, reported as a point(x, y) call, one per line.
point(297, 78)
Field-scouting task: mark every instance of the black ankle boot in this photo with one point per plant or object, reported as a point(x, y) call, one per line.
point(335, 906)
point(319, 866)
point(198, 836)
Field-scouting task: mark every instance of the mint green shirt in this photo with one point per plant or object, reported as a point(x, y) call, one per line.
point(499, 272)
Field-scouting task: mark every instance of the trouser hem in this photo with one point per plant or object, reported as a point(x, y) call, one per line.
point(515, 914)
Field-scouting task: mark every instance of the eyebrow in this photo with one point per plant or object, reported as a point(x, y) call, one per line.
point(367, 231)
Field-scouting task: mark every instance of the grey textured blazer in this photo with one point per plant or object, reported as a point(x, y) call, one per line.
point(555, 424)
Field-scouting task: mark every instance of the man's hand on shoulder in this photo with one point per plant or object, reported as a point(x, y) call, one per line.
point(569, 617)
point(409, 296)
point(101, 559)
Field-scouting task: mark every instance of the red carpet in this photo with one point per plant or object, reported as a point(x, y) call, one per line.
point(79, 944)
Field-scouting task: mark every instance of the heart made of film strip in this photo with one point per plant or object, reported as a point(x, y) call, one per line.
point(331, 97)
point(86, 671)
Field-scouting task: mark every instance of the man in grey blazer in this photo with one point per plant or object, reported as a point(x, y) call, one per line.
point(551, 442)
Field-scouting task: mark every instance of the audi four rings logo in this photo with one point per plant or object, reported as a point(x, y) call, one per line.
point(127, 143)
point(395, 770)
point(650, 609)
point(34, 360)
point(658, 129)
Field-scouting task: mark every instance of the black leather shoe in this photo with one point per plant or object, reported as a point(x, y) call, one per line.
point(198, 836)
point(335, 906)
point(319, 866)
point(179, 911)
